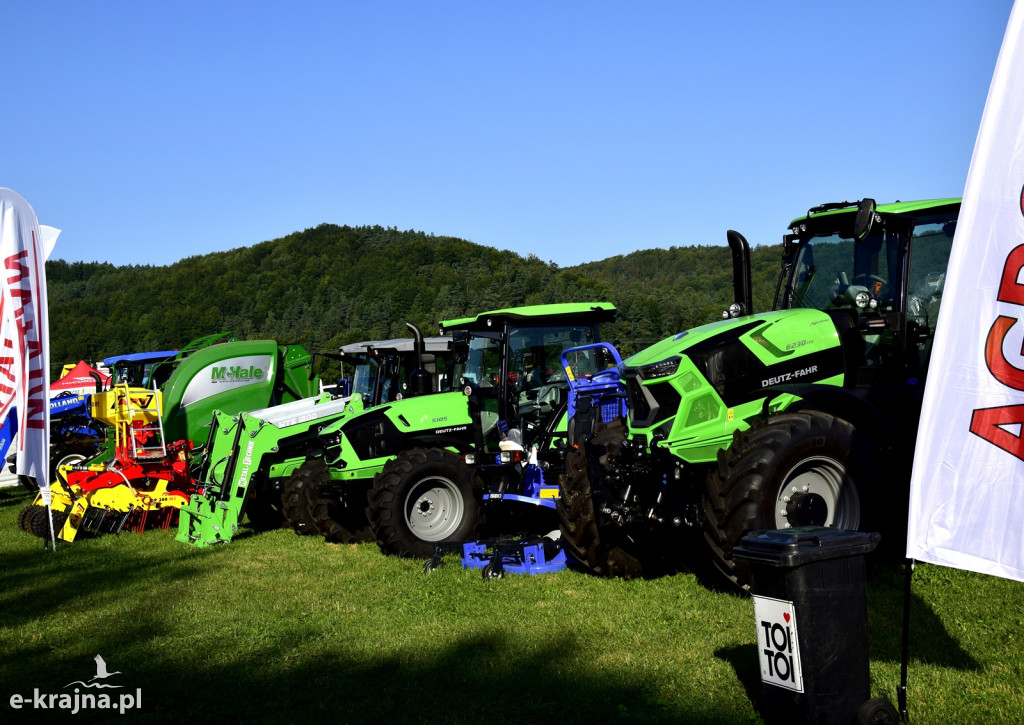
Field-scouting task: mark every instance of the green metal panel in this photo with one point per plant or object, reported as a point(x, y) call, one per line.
point(581, 313)
point(231, 377)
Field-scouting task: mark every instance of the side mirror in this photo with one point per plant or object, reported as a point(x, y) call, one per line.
point(865, 219)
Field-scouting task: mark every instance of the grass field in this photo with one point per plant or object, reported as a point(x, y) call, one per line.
point(280, 628)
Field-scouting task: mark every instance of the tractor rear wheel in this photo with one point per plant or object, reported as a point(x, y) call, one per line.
point(300, 497)
point(806, 468)
point(421, 498)
point(590, 535)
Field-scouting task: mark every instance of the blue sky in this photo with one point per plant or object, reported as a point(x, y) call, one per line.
point(574, 131)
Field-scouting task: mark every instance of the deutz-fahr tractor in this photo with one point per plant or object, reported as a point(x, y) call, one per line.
point(430, 463)
point(263, 463)
point(802, 416)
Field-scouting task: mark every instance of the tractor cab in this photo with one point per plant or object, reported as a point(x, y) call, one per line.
point(878, 272)
point(511, 367)
point(387, 370)
point(134, 369)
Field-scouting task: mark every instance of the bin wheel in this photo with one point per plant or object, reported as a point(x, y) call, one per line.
point(493, 571)
point(877, 711)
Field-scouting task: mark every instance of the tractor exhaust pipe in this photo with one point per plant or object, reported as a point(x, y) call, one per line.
point(418, 347)
point(743, 295)
point(419, 379)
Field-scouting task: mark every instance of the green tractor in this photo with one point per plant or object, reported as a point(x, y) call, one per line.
point(802, 416)
point(259, 462)
point(427, 465)
point(383, 371)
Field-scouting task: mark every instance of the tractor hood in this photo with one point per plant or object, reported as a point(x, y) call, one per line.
point(707, 372)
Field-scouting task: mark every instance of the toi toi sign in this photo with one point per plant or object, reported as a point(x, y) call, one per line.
point(777, 645)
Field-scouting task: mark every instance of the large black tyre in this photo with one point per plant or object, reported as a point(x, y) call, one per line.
point(421, 498)
point(299, 498)
point(341, 520)
point(264, 507)
point(806, 468)
point(594, 543)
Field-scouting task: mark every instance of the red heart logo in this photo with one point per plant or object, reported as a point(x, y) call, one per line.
point(785, 615)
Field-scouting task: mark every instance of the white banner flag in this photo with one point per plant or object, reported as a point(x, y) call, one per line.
point(24, 333)
point(967, 492)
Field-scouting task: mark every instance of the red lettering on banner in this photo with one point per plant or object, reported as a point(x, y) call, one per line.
point(988, 423)
point(36, 413)
point(7, 368)
point(13, 263)
point(1010, 289)
point(1002, 370)
point(995, 424)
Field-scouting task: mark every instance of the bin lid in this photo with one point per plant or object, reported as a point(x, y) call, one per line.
point(803, 545)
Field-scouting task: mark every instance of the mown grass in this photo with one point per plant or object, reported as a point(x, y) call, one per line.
point(280, 628)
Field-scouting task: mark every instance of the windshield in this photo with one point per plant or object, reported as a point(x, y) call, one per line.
point(831, 270)
point(483, 363)
point(536, 353)
point(364, 379)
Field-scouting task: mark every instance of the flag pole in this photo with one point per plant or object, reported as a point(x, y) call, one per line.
point(901, 691)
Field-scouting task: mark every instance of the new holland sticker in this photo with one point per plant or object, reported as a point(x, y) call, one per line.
point(778, 649)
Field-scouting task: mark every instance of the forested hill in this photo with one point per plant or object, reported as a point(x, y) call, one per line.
point(330, 285)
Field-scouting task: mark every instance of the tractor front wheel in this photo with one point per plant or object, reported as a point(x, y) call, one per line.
point(264, 507)
point(421, 498)
point(589, 530)
point(341, 519)
point(796, 469)
point(300, 494)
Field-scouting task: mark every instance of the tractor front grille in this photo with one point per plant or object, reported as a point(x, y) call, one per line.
point(649, 404)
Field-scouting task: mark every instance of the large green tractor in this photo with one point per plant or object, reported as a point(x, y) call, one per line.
point(427, 465)
point(804, 415)
point(259, 462)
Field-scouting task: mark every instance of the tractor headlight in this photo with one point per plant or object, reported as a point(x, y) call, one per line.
point(659, 370)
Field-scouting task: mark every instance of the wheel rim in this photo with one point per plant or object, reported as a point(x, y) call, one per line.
point(818, 492)
point(69, 459)
point(434, 509)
